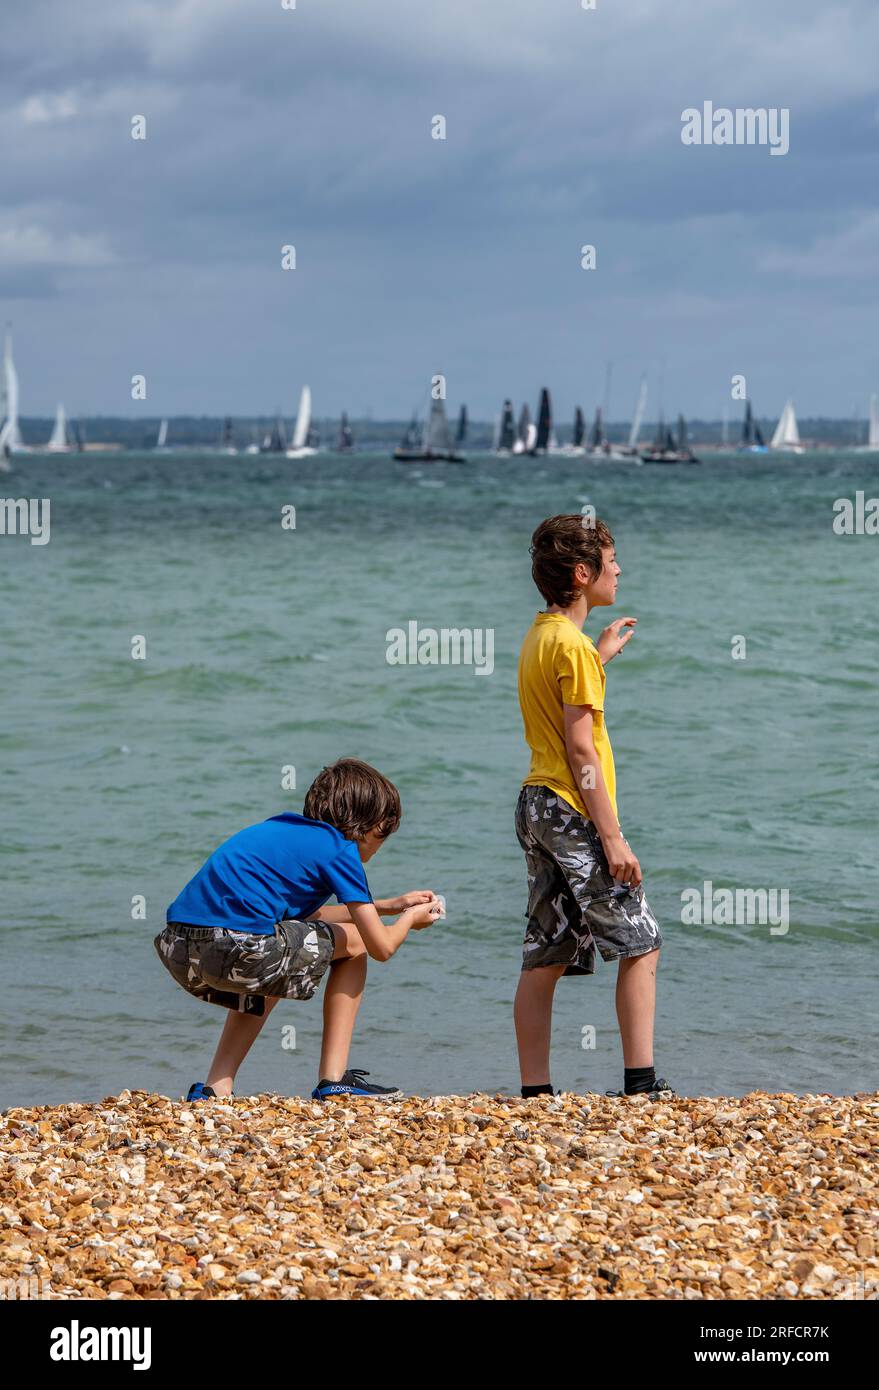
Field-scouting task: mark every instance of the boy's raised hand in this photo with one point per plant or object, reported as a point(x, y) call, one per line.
point(613, 639)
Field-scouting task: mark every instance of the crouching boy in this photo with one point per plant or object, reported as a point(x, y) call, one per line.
point(252, 927)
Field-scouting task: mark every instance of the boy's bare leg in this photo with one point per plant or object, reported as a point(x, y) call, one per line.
point(342, 998)
point(240, 1032)
point(636, 1007)
point(532, 1013)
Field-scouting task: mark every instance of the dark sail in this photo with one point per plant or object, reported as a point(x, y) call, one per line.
point(659, 437)
point(507, 436)
point(669, 444)
point(228, 437)
point(277, 442)
point(682, 433)
point(461, 431)
point(79, 436)
point(346, 438)
point(544, 423)
point(748, 427)
point(596, 438)
point(579, 428)
point(758, 436)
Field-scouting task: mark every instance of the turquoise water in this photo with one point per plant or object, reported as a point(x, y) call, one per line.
point(266, 648)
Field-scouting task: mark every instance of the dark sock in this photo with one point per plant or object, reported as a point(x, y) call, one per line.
point(639, 1079)
point(537, 1090)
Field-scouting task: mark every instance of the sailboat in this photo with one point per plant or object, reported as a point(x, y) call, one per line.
point(300, 446)
point(786, 439)
point(79, 437)
point(11, 441)
point(872, 444)
point(752, 436)
point(275, 442)
point(600, 446)
point(434, 445)
point(461, 430)
point(632, 450)
point(253, 446)
point(58, 441)
point(162, 436)
point(526, 432)
point(227, 438)
point(507, 429)
point(543, 433)
point(345, 443)
point(667, 449)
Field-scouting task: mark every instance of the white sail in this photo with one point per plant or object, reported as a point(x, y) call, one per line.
point(303, 420)
point(787, 435)
point(12, 440)
point(530, 437)
point(639, 414)
point(873, 434)
point(58, 441)
point(163, 435)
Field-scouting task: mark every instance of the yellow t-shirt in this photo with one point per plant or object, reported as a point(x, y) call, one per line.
point(559, 665)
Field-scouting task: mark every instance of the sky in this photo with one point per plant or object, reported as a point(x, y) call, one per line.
point(311, 127)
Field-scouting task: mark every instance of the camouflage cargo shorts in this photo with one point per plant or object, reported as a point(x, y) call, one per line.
point(238, 969)
point(574, 904)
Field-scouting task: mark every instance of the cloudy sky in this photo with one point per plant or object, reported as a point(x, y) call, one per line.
point(312, 127)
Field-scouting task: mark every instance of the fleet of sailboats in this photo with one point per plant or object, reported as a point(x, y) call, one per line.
point(433, 440)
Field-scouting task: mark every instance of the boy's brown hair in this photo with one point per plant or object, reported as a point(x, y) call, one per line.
point(355, 798)
point(560, 544)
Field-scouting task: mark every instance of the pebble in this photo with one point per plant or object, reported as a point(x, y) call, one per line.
point(767, 1196)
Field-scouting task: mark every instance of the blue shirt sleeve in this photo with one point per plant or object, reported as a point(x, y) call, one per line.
point(345, 876)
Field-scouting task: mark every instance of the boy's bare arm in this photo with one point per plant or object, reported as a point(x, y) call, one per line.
point(582, 757)
point(385, 907)
point(382, 940)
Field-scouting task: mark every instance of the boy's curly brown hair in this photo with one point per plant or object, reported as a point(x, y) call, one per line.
point(560, 544)
point(355, 798)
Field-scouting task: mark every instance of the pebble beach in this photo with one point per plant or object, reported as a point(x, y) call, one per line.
point(452, 1197)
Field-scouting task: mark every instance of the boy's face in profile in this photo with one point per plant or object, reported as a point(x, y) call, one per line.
point(600, 592)
point(369, 843)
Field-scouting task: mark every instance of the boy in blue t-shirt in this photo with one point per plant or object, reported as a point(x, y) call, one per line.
point(251, 927)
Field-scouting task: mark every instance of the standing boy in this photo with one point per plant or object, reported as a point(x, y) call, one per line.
point(584, 881)
point(251, 927)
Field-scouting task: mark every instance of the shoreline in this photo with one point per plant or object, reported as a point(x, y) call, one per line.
point(765, 1196)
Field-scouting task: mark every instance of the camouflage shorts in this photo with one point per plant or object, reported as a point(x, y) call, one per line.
point(238, 970)
point(574, 904)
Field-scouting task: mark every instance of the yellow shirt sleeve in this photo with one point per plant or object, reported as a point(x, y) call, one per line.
point(580, 675)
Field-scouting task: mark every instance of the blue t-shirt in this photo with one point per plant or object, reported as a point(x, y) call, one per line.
point(286, 866)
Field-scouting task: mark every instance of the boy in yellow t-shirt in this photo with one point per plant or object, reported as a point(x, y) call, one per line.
point(584, 881)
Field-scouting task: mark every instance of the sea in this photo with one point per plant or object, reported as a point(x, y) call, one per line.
point(203, 633)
